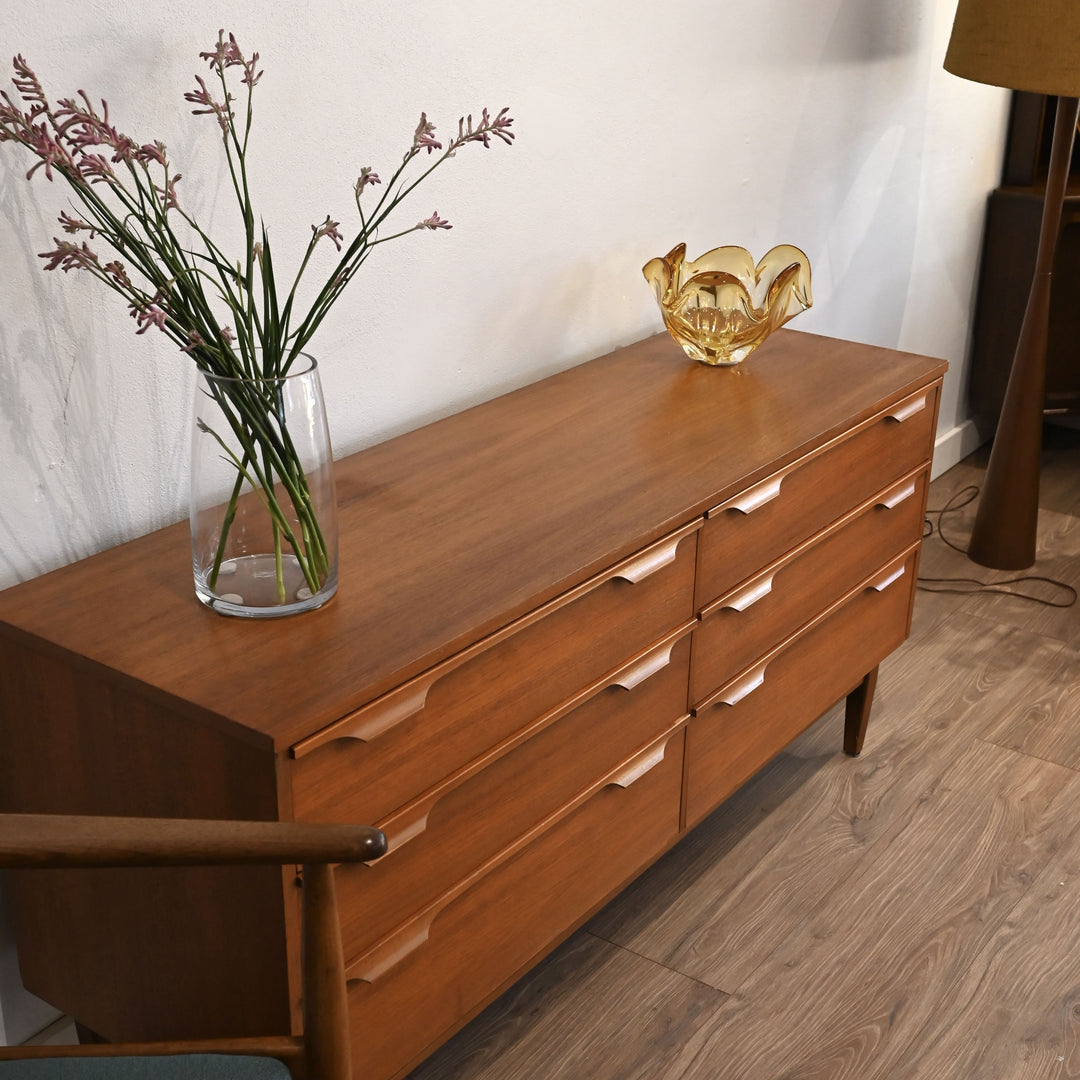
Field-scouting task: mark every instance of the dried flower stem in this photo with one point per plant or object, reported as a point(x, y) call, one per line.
point(126, 195)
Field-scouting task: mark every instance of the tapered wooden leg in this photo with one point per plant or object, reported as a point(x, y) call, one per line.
point(857, 714)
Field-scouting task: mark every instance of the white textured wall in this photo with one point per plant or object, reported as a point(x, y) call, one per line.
point(829, 125)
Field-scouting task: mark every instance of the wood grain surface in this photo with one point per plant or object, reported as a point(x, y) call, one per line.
point(1016, 1012)
point(901, 927)
point(640, 1014)
point(912, 914)
point(469, 547)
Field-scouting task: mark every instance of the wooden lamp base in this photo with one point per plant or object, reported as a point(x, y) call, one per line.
point(1007, 520)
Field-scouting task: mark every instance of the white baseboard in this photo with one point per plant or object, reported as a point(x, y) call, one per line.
point(954, 445)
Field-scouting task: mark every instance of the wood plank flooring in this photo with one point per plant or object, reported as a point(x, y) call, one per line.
point(907, 915)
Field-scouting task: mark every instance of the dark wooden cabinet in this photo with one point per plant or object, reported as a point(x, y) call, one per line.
point(1013, 219)
point(571, 622)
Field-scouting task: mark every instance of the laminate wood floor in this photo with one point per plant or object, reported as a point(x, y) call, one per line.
point(907, 915)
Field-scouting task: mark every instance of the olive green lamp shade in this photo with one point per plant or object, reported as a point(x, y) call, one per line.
point(1019, 44)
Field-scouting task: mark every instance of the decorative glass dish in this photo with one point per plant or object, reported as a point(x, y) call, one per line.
point(720, 307)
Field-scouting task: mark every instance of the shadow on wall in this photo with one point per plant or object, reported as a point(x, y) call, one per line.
point(34, 396)
point(861, 30)
point(859, 197)
point(70, 489)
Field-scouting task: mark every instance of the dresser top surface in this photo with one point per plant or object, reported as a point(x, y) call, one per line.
point(450, 531)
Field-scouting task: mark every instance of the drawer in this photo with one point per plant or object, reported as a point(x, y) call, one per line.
point(393, 750)
point(443, 838)
point(749, 721)
point(489, 935)
point(742, 626)
point(758, 526)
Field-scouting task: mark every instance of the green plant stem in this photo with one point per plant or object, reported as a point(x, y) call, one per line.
point(258, 484)
point(226, 525)
point(247, 412)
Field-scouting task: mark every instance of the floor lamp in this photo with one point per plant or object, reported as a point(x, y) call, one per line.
point(1032, 45)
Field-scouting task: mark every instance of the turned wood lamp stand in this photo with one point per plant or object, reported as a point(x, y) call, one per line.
point(1036, 47)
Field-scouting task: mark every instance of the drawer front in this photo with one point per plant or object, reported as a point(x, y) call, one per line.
point(743, 625)
point(387, 754)
point(728, 743)
point(442, 840)
point(757, 527)
point(511, 917)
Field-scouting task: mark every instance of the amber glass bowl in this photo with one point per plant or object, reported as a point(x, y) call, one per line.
point(721, 307)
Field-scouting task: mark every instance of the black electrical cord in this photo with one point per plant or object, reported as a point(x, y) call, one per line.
point(941, 585)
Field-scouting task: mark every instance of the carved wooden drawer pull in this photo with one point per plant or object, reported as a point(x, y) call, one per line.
point(907, 410)
point(638, 768)
point(647, 666)
point(758, 496)
point(885, 582)
point(755, 591)
point(734, 694)
point(895, 497)
point(652, 560)
point(404, 826)
point(393, 950)
point(380, 716)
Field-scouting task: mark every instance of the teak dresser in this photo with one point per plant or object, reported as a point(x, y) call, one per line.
point(571, 622)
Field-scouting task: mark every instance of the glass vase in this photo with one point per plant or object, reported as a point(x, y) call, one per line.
point(263, 510)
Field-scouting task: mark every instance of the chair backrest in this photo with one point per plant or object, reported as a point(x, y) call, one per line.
point(46, 841)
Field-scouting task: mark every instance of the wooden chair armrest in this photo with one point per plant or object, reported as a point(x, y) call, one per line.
point(61, 840)
point(286, 1048)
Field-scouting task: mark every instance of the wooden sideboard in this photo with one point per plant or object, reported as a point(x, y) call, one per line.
point(571, 622)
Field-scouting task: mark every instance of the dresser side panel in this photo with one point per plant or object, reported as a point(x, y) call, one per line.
point(139, 953)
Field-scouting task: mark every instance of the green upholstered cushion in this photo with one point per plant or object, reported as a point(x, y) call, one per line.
point(183, 1067)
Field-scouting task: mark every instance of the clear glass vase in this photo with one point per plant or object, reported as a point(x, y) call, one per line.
point(263, 510)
